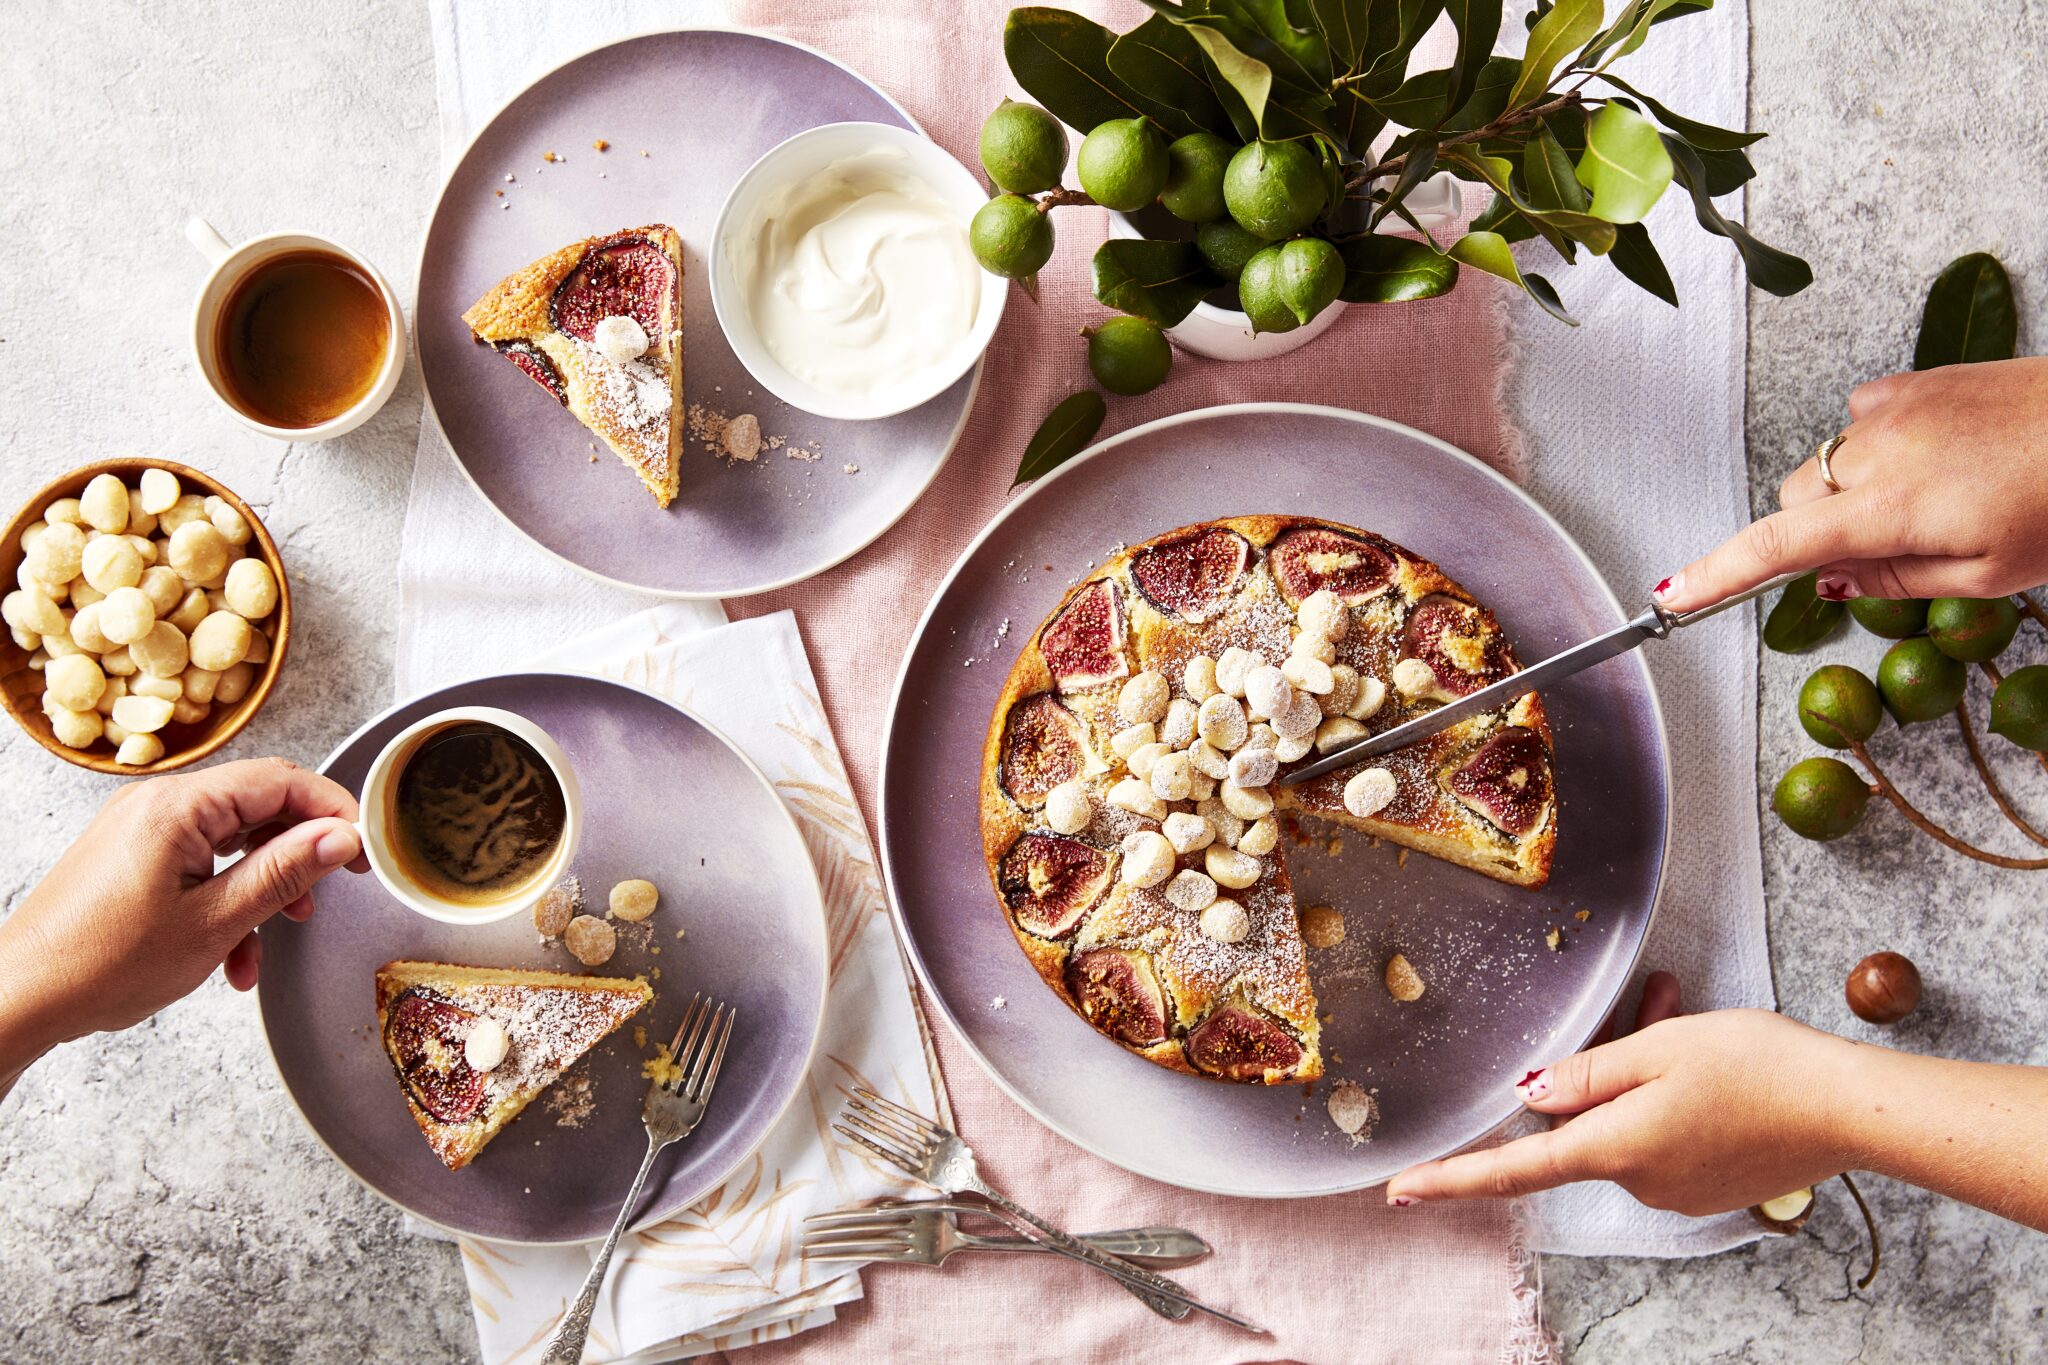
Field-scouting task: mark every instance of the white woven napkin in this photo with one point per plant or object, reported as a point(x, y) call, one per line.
point(1633, 426)
point(726, 1273)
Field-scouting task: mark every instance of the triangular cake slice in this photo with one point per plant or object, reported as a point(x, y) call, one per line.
point(564, 321)
point(426, 1012)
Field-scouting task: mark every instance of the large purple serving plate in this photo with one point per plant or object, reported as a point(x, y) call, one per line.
point(666, 798)
point(704, 104)
point(1499, 999)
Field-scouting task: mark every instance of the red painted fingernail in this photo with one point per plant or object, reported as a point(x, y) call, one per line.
point(1668, 589)
point(1836, 587)
point(1402, 1201)
point(1662, 587)
point(1535, 1085)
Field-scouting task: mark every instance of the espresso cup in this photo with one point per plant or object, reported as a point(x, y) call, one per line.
point(381, 838)
point(232, 264)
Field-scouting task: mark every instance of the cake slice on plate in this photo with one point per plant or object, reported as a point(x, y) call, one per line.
point(473, 1046)
point(599, 325)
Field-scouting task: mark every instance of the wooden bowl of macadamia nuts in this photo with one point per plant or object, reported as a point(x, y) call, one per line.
point(146, 615)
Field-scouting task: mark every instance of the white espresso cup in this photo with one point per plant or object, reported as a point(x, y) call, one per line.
point(230, 264)
point(378, 804)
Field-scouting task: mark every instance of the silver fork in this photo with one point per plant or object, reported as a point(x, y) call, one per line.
point(938, 1157)
point(926, 1232)
point(673, 1109)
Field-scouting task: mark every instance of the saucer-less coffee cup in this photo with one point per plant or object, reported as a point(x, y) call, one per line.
point(283, 297)
point(471, 815)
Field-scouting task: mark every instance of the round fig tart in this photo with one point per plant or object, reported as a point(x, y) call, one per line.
point(1129, 800)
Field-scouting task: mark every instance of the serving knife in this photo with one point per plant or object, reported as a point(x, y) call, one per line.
point(1654, 623)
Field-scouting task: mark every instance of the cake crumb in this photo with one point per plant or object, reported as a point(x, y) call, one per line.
point(1354, 1110)
point(1553, 940)
point(851, 469)
point(640, 1035)
point(570, 1100)
point(997, 1003)
point(601, 145)
point(551, 158)
point(1401, 858)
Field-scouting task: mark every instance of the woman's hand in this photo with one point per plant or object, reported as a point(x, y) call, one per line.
point(132, 916)
point(1945, 494)
point(1699, 1114)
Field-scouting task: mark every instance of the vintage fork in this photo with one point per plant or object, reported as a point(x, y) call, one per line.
point(938, 1157)
point(674, 1107)
point(926, 1232)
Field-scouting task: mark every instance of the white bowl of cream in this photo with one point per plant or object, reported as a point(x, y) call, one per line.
point(841, 274)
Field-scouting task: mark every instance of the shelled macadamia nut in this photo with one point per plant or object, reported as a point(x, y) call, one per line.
point(220, 641)
point(634, 900)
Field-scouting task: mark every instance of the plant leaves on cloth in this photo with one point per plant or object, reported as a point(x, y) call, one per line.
point(1969, 315)
point(1065, 433)
point(1802, 618)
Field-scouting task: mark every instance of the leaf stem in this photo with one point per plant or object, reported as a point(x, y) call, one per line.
point(1507, 122)
point(2033, 609)
point(1932, 830)
point(1870, 1226)
point(1990, 782)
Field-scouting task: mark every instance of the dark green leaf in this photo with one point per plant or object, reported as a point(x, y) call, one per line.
point(1161, 66)
point(1478, 24)
point(1704, 136)
point(1596, 233)
point(1629, 29)
point(1637, 259)
point(1625, 164)
point(1418, 163)
point(1969, 315)
point(1062, 61)
point(1355, 123)
point(1769, 269)
point(1065, 433)
point(1298, 59)
point(1553, 39)
point(1344, 25)
point(1488, 251)
point(1726, 172)
point(1547, 171)
point(1419, 101)
point(1162, 281)
point(1502, 217)
point(1393, 28)
point(1381, 269)
point(1802, 618)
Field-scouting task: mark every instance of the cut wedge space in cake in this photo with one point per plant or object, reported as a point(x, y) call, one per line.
point(599, 325)
point(1129, 798)
point(473, 1046)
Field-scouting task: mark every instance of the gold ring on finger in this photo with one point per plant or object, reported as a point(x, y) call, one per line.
point(1822, 455)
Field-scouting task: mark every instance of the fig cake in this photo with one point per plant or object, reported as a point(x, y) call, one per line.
point(599, 326)
point(1129, 806)
point(463, 1089)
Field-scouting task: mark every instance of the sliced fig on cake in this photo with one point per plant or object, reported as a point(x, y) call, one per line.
point(1051, 882)
point(1193, 575)
point(424, 1036)
point(1118, 991)
point(1507, 780)
point(1460, 644)
point(1044, 744)
point(1308, 560)
point(1240, 1044)
point(627, 276)
point(1084, 645)
point(533, 362)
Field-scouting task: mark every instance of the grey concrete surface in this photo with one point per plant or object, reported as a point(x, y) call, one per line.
point(160, 1200)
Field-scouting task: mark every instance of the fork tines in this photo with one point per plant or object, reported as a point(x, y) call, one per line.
point(907, 1138)
point(709, 1026)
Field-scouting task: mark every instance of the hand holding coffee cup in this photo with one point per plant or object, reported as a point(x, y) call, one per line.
point(471, 815)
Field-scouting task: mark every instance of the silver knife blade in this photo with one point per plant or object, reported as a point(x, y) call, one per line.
point(1653, 624)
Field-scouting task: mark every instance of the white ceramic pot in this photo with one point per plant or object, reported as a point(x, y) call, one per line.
point(1226, 333)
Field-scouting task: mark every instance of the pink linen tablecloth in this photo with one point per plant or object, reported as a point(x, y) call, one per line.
point(1337, 1280)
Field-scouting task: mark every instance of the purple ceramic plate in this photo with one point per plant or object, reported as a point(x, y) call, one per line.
point(704, 104)
point(667, 798)
point(1499, 1000)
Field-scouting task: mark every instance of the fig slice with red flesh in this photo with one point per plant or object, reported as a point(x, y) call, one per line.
point(1084, 644)
point(535, 365)
point(1240, 1044)
point(1043, 746)
point(629, 276)
point(1457, 642)
point(1051, 882)
point(1193, 575)
point(1306, 561)
point(1507, 780)
point(1119, 993)
point(424, 1036)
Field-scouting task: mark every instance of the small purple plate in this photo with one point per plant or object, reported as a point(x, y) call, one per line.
point(1498, 999)
point(704, 104)
point(666, 798)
